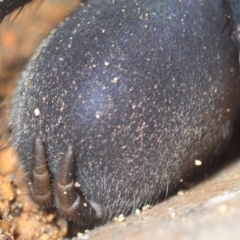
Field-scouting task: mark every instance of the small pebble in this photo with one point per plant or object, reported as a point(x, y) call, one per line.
point(180, 193)
point(198, 162)
point(146, 207)
point(222, 208)
point(81, 236)
point(120, 218)
point(37, 112)
point(137, 211)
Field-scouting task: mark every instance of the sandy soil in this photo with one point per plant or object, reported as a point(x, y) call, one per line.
point(208, 210)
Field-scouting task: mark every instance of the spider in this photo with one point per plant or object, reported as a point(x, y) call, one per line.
point(121, 99)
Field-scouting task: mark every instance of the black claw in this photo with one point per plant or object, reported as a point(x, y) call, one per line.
point(41, 189)
point(70, 202)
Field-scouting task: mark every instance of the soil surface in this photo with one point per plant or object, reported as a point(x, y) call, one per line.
point(208, 210)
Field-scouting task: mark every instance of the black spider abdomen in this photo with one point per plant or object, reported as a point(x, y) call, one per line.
point(137, 89)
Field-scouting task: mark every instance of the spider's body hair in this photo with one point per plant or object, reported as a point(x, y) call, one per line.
point(139, 89)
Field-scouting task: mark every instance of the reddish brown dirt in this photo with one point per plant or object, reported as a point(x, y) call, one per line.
point(210, 210)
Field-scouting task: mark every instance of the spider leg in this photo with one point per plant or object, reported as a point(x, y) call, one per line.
point(72, 204)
